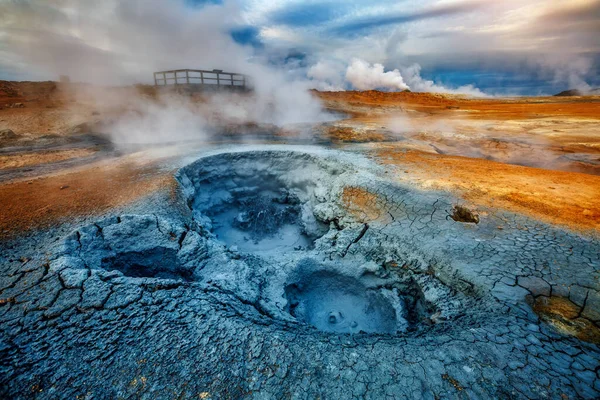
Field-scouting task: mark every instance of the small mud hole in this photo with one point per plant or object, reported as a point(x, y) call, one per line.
point(260, 219)
point(153, 263)
point(258, 202)
point(336, 303)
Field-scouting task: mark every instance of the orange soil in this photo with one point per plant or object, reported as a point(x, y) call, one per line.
point(517, 108)
point(347, 134)
point(565, 198)
point(364, 205)
point(41, 157)
point(570, 199)
point(45, 201)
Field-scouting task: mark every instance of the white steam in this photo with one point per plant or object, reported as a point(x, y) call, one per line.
point(361, 75)
point(571, 70)
point(326, 76)
point(364, 76)
point(170, 119)
point(412, 74)
point(124, 41)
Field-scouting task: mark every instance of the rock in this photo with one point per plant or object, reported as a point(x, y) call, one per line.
point(463, 214)
point(569, 93)
point(81, 128)
point(93, 126)
point(592, 307)
point(73, 277)
point(577, 92)
point(7, 134)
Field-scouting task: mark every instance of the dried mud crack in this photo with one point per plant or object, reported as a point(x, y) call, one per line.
point(302, 274)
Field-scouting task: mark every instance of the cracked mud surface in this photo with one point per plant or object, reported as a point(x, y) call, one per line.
point(156, 302)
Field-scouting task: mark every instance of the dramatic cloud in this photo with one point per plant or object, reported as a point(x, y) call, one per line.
point(512, 46)
point(359, 25)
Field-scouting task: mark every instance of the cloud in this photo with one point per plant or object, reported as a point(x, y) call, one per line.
point(361, 24)
point(515, 42)
point(306, 13)
point(507, 41)
point(572, 70)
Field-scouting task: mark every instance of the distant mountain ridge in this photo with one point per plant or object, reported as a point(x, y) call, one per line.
point(577, 92)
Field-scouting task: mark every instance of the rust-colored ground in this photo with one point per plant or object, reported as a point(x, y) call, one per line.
point(46, 107)
point(44, 201)
point(509, 108)
point(41, 157)
point(564, 198)
point(470, 147)
point(364, 206)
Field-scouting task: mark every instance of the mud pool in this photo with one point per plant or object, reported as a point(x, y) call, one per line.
point(307, 273)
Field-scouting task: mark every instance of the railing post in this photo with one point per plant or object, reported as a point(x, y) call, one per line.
point(218, 81)
point(231, 79)
point(187, 76)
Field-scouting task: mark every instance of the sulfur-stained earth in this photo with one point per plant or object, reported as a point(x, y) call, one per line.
point(417, 248)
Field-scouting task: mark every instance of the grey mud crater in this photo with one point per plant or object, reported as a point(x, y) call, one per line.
point(262, 284)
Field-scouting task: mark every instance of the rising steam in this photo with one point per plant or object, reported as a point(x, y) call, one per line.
point(361, 75)
point(364, 76)
point(124, 41)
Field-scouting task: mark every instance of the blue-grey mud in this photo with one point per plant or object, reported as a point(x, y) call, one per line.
point(286, 272)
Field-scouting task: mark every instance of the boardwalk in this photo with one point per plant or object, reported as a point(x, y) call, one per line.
point(202, 79)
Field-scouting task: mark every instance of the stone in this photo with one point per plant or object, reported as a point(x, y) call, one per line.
point(7, 134)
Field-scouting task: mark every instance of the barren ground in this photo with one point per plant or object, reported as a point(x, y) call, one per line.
point(536, 156)
point(450, 251)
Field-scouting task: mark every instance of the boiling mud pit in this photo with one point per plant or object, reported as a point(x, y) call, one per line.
point(270, 211)
point(334, 303)
point(257, 206)
point(301, 274)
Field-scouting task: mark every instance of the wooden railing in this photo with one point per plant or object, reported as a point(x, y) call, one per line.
point(216, 78)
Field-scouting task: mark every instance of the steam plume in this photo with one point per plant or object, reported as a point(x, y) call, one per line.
point(364, 76)
point(125, 41)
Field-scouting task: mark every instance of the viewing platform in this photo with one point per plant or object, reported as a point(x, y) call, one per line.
point(197, 79)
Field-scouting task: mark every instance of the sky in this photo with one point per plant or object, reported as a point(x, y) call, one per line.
point(476, 47)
